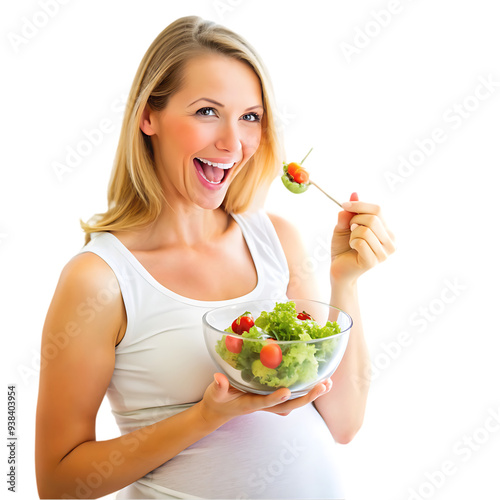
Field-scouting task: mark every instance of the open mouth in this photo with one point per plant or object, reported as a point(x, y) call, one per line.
point(213, 173)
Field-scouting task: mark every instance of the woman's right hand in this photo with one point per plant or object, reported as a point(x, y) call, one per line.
point(222, 402)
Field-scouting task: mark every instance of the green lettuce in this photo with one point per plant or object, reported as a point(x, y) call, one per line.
point(300, 362)
point(290, 184)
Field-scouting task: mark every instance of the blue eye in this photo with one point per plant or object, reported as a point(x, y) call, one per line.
point(206, 112)
point(252, 117)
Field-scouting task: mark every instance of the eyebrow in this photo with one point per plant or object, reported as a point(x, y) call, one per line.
point(222, 105)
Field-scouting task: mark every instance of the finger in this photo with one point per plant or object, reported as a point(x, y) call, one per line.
point(360, 207)
point(377, 227)
point(221, 386)
point(344, 221)
point(344, 217)
point(224, 391)
point(366, 234)
point(221, 382)
point(367, 257)
point(253, 402)
point(317, 391)
point(276, 398)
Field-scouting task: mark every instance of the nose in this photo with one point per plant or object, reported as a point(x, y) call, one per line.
point(228, 138)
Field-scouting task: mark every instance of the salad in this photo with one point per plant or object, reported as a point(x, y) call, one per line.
point(295, 178)
point(264, 361)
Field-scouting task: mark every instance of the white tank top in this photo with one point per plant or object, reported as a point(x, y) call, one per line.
point(162, 367)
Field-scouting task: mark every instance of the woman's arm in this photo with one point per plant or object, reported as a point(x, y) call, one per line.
point(343, 407)
point(85, 321)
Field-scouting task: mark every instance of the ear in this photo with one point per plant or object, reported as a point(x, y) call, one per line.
point(146, 124)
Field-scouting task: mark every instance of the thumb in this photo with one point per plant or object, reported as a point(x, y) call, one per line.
point(221, 383)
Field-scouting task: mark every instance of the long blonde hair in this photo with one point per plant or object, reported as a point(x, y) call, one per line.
point(135, 196)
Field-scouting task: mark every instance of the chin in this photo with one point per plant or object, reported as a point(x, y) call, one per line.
point(208, 204)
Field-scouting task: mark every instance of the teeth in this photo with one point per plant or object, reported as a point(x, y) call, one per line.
point(224, 166)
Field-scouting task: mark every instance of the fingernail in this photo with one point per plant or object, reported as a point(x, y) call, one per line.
point(347, 204)
point(216, 382)
point(284, 398)
point(353, 227)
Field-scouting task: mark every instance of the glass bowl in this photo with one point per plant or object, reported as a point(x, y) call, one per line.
point(304, 363)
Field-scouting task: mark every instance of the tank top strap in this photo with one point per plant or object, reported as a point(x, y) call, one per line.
point(259, 231)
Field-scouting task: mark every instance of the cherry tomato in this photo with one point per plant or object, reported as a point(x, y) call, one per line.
point(246, 322)
point(292, 168)
point(303, 315)
point(242, 324)
point(301, 176)
point(234, 345)
point(236, 326)
point(271, 355)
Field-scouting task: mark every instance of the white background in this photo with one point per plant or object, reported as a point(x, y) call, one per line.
point(432, 398)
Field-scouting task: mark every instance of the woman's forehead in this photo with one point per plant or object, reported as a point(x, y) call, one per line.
point(223, 79)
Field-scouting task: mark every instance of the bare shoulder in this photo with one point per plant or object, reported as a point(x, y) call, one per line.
point(88, 273)
point(288, 234)
point(87, 288)
point(302, 282)
point(87, 268)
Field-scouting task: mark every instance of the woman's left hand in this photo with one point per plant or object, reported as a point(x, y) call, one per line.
point(361, 239)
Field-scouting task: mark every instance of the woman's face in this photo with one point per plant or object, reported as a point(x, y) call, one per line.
point(207, 131)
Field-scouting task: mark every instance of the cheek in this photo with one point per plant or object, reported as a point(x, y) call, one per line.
point(185, 138)
point(253, 141)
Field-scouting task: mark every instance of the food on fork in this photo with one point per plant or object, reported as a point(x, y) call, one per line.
point(295, 177)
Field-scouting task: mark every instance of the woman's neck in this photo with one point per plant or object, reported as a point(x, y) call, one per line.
point(189, 228)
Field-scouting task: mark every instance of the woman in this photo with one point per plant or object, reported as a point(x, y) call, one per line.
point(198, 147)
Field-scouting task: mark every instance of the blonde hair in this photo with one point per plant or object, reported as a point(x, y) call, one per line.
point(135, 196)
